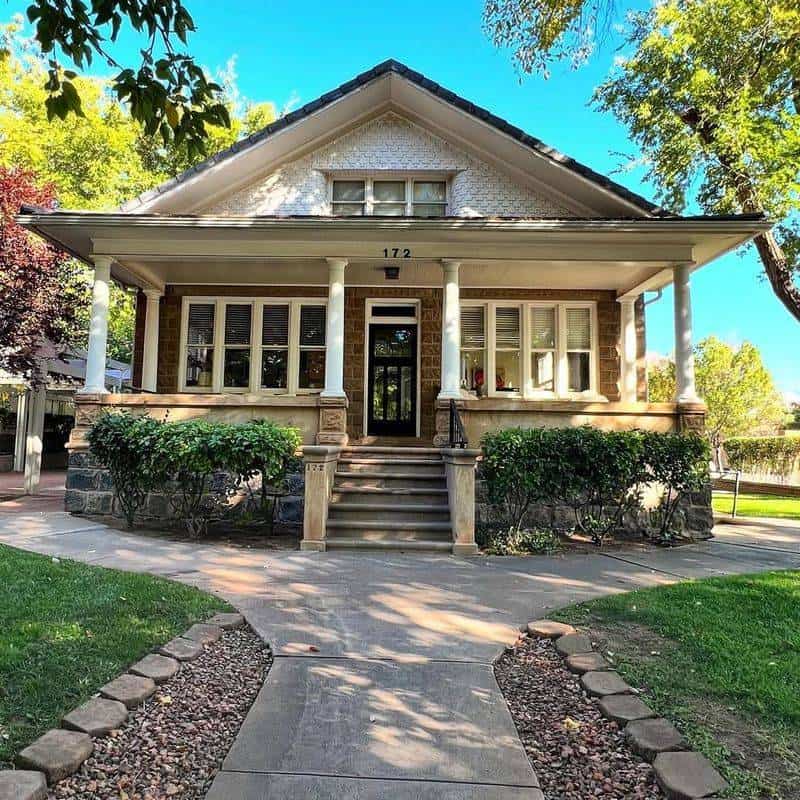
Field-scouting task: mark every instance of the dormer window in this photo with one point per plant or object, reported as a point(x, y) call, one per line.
point(389, 197)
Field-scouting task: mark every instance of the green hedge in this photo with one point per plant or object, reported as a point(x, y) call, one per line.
point(775, 455)
point(600, 475)
point(198, 465)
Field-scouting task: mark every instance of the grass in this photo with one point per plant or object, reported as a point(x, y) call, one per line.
point(758, 505)
point(721, 657)
point(67, 628)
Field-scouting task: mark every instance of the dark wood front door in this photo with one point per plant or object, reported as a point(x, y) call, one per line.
point(392, 380)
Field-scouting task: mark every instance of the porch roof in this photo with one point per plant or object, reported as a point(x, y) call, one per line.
point(629, 255)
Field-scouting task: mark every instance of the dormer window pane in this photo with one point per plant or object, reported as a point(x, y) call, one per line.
point(348, 198)
point(389, 198)
point(430, 198)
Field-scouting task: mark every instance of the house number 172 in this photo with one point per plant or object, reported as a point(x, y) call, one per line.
point(397, 252)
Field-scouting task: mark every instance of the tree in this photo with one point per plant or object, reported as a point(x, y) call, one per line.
point(711, 95)
point(38, 284)
point(736, 386)
point(166, 92)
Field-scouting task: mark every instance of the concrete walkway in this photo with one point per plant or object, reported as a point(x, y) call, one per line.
point(382, 684)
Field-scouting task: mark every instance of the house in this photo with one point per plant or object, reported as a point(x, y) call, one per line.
point(375, 267)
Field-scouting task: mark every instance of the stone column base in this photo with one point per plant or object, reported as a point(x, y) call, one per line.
point(465, 549)
point(691, 417)
point(333, 421)
point(317, 547)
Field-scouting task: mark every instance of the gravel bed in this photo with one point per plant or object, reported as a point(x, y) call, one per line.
point(575, 752)
point(173, 745)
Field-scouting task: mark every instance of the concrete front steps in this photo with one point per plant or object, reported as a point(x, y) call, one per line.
point(390, 498)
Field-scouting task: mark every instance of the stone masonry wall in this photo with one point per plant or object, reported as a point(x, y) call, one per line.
point(388, 143)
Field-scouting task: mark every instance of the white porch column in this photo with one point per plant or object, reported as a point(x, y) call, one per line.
point(628, 349)
point(451, 333)
point(685, 391)
point(95, 381)
point(334, 331)
point(33, 438)
point(150, 350)
point(20, 432)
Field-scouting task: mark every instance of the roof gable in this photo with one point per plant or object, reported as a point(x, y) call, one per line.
point(391, 86)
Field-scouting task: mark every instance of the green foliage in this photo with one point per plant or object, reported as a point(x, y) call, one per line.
point(504, 541)
point(598, 474)
point(167, 92)
point(67, 628)
point(128, 446)
point(735, 385)
point(776, 455)
point(199, 465)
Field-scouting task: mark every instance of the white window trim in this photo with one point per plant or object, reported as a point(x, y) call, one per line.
point(526, 350)
point(408, 177)
point(256, 347)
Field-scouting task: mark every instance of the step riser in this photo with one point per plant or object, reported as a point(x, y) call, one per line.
point(337, 515)
point(390, 536)
point(432, 469)
point(387, 482)
point(420, 547)
point(384, 450)
point(371, 498)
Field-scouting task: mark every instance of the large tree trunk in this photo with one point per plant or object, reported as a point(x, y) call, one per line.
point(778, 271)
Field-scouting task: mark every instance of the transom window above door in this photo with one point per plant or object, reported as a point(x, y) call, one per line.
point(389, 197)
point(529, 349)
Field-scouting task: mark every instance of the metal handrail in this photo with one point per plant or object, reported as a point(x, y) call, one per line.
point(457, 435)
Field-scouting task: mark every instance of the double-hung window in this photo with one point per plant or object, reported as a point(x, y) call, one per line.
point(257, 345)
point(534, 350)
point(348, 198)
point(389, 198)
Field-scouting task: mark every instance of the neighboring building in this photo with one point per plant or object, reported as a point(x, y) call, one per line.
point(386, 249)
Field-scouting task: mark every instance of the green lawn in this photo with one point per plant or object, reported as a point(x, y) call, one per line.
point(67, 628)
point(722, 658)
point(758, 505)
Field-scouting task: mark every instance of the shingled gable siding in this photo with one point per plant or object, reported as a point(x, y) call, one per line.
point(608, 314)
point(388, 143)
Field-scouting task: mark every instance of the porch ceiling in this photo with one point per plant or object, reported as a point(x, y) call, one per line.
point(625, 255)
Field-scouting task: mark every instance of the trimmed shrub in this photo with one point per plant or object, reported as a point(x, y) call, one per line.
point(774, 455)
point(198, 465)
point(599, 475)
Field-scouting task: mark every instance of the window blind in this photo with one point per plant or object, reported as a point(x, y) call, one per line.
point(579, 334)
point(543, 328)
point(507, 328)
point(275, 326)
point(237, 323)
point(312, 326)
point(201, 323)
point(473, 333)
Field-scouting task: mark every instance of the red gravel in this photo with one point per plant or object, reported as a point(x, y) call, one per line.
point(173, 745)
point(576, 752)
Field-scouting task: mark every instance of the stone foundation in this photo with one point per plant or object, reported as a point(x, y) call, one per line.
point(694, 516)
point(90, 492)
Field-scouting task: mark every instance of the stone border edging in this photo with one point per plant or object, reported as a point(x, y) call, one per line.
point(681, 773)
point(60, 752)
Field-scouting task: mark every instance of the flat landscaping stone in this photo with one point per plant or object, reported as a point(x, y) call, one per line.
point(157, 668)
point(97, 717)
point(58, 753)
point(573, 643)
point(600, 684)
point(687, 776)
point(182, 649)
point(227, 620)
point(587, 662)
point(649, 737)
point(548, 629)
point(203, 632)
point(623, 708)
point(132, 690)
point(22, 784)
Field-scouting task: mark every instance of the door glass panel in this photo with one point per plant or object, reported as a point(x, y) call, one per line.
point(395, 342)
point(406, 388)
point(392, 392)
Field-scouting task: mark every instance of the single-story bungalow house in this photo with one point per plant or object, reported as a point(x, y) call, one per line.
point(392, 266)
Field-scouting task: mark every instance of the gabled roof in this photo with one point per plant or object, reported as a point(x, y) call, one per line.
point(156, 198)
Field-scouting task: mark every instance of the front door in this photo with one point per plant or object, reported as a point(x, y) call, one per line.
point(392, 380)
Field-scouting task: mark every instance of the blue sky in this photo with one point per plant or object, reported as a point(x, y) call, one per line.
point(290, 53)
